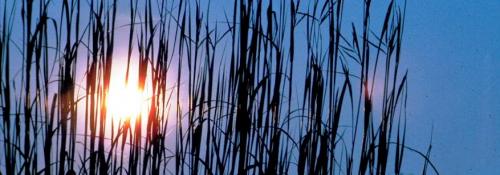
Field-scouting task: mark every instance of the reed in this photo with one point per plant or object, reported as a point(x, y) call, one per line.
point(276, 87)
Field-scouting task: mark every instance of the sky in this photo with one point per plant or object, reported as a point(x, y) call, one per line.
point(451, 49)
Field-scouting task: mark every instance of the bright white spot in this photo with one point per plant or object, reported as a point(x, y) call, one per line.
point(124, 101)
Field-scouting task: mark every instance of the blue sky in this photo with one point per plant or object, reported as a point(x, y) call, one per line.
point(452, 53)
point(452, 49)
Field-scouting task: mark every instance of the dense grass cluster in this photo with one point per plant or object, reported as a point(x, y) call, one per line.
point(272, 87)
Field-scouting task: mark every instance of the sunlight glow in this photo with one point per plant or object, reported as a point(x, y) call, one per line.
point(125, 101)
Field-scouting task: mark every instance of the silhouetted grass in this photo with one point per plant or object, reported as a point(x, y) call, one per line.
point(276, 87)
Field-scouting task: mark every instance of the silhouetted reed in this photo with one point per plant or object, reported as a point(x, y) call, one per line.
point(276, 87)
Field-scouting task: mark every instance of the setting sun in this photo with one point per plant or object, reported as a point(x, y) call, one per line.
point(124, 101)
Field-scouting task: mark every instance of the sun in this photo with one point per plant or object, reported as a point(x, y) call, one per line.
point(124, 101)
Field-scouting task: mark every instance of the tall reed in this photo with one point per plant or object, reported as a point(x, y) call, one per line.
point(272, 87)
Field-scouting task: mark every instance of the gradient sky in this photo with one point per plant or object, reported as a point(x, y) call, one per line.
point(452, 52)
